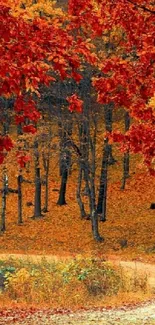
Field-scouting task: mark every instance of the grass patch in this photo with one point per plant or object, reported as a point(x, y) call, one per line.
point(71, 284)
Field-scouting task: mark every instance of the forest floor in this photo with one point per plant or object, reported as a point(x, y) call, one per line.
point(61, 234)
point(61, 230)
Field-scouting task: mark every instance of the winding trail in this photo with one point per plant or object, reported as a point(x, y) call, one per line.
point(141, 315)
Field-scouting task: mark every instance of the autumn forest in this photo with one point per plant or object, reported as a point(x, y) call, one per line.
point(77, 149)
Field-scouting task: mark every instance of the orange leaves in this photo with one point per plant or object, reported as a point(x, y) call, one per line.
point(75, 104)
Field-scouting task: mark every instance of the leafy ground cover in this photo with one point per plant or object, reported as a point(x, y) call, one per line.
point(103, 317)
point(62, 232)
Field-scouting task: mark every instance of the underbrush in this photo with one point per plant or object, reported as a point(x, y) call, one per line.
point(79, 282)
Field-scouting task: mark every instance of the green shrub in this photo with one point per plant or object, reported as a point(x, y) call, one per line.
point(70, 282)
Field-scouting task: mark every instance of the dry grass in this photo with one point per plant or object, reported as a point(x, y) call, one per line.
point(74, 284)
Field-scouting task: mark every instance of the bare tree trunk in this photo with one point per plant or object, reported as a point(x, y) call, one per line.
point(62, 192)
point(78, 194)
point(4, 193)
point(95, 230)
point(37, 200)
point(65, 162)
point(126, 158)
point(19, 184)
point(102, 197)
point(108, 112)
point(45, 209)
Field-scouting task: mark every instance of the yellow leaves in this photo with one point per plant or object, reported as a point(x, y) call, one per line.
point(29, 86)
point(19, 278)
point(30, 10)
point(22, 275)
point(152, 102)
point(97, 7)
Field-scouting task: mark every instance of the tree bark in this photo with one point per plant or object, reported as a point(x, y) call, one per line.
point(102, 197)
point(126, 158)
point(62, 192)
point(78, 194)
point(95, 231)
point(4, 193)
point(108, 112)
point(37, 200)
point(46, 161)
point(65, 161)
point(19, 183)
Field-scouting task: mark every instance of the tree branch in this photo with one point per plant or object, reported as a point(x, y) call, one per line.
point(142, 7)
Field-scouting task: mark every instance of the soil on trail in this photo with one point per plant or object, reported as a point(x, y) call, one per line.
point(141, 315)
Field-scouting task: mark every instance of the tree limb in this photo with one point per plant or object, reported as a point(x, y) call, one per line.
point(142, 7)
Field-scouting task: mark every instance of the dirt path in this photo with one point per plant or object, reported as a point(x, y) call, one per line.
point(142, 315)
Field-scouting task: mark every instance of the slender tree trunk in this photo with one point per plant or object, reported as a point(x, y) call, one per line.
point(78, 195)
point(19, 183)
point(62, 192)
point(94, 215)
point(46, 168)
point(84, 147)
point(5, 179)
point(37, 200)
point(95, 230)
point(102, 197)
point(4, 194)
point(65, 162)
point(45, 209)
point(126, 158)
point(108, 112)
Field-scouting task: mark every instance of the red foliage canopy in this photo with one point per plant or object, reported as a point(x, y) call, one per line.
point(128, 72)
point(30, 51)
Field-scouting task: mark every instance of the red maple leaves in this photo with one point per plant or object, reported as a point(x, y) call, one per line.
point(6, 144)
point(127, 70)
point(75, 104)
point(32, 52)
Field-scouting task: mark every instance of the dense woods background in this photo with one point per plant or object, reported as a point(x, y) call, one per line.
point(63, 175)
